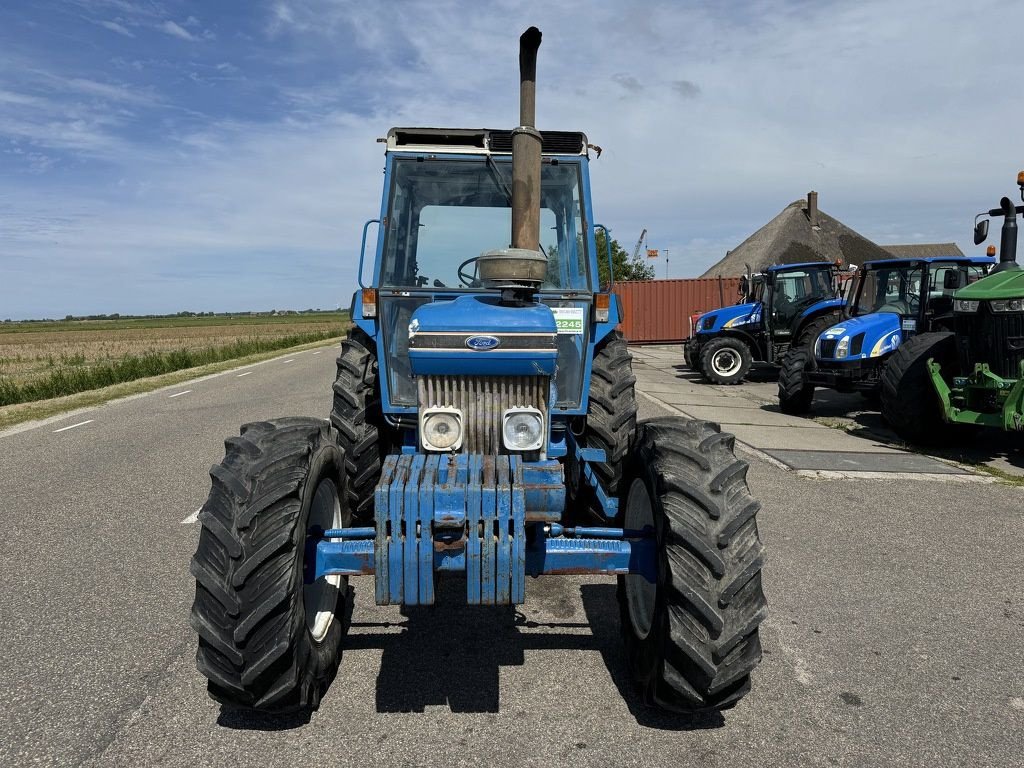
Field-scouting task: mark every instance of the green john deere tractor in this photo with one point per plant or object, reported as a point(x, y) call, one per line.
point(939, 385)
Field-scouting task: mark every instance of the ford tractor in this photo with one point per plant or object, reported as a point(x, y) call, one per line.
point(893, 300)
point(788, 305)
point(941, 386)
point(484, 428)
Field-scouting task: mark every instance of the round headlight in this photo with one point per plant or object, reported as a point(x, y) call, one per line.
point(523, 430)
point(442, 431)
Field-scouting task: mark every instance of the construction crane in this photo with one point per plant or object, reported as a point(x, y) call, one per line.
point(639, 242)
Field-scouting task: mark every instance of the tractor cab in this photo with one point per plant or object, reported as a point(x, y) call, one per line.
point(796, 291)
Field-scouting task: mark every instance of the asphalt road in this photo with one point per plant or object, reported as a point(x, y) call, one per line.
point(895, 637)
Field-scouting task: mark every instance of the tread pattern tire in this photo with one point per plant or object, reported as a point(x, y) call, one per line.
point(690, 355)
point(711, 348)
point(795, 397)
point(909, 402)
point(703, 643)
point(254, 645)
point(611, 412)
point(356, 415)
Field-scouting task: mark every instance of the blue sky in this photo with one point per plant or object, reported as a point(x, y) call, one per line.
point(160, 156)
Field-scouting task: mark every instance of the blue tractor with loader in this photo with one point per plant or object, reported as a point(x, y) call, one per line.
point(484, 427)
point(892, 301)
point(787, 305)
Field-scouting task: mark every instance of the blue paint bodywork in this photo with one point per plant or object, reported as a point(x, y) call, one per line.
point(745, 316)
point(873, 335)
point(496, 518)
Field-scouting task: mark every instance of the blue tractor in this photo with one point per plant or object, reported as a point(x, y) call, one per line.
point(893, 300)
point(785, 307)
point(484, 426)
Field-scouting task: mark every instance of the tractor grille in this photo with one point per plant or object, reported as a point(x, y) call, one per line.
point(482, 400)
point(828, 347)
point(987, 337)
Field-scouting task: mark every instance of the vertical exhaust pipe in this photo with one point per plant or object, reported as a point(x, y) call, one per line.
point(526, 150)
point(1008, 239)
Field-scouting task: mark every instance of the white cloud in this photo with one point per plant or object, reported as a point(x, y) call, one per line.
point(113, 26)
point(176, 30)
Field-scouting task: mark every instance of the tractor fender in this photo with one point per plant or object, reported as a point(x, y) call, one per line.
point(820, 308)
point(355, 312)
point(868, 336)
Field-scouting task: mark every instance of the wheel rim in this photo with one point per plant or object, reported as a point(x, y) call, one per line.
point(321, 597)
point(726, 362)
point(641, 595)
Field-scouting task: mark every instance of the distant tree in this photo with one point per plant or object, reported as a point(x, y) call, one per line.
point(624, 266)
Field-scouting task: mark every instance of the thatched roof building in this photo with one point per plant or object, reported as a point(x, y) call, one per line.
point(801, 232)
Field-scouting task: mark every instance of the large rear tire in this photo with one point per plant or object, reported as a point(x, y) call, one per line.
point(909, 401)
point(725, 360)
point(267, 640)
point(356, 415)
point(692, 637)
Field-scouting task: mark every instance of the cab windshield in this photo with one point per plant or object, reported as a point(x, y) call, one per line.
point(444, 213)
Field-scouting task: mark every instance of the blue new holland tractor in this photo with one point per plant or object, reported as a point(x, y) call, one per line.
point(786, 307)
point(894, 299)
point(484, 425)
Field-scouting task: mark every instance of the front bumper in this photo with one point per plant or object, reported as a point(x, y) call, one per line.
point(853, 376)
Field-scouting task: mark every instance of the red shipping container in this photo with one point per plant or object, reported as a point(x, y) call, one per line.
point(658, 311)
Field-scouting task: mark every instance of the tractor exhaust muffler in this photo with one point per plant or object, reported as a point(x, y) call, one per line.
point(526, 150)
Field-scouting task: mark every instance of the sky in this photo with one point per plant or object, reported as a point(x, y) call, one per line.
point(159, 156)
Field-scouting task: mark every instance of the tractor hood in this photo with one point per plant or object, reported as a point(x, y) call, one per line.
point(861, 337)
point(736, 316)
point(478, 335)
point(1001, 285)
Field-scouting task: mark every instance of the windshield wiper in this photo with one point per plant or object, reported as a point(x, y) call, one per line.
point(499, 180)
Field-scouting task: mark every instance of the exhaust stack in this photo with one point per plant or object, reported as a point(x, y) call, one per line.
point(526, 150)
point(1008, 239)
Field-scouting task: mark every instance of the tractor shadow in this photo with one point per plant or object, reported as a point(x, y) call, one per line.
point(452, 654)
point(759, 373)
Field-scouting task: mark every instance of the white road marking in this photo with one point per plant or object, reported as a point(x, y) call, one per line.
point(289, 360)
point(79, 424)
point(178, 394)
point(317, 353)
point(194, 517)
point(244, 374)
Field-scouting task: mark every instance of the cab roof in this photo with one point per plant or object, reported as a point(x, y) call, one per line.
point(801, 265)
point(930, 260)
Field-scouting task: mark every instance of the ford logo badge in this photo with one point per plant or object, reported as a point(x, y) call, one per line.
point(482, 343)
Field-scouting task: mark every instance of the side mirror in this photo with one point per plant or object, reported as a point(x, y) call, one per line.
point(951, 280)
point(980, 231)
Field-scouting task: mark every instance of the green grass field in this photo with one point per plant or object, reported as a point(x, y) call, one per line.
point(40, 360)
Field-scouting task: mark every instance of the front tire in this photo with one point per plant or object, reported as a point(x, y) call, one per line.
point(267, 641)
point(691, 353)
point(611, 413)
point(356, 415)
point(795, 395)
point(909, 401)
point(692, 636)
point(725, 360)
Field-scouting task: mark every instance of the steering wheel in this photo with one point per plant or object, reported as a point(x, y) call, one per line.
point(467, 279)
point(898, 307)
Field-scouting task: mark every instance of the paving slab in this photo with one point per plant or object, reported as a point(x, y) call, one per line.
point(731, 414)
point(849, 461)
point(768, 439)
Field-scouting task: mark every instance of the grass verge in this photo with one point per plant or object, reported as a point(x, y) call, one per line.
point(11, 415)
